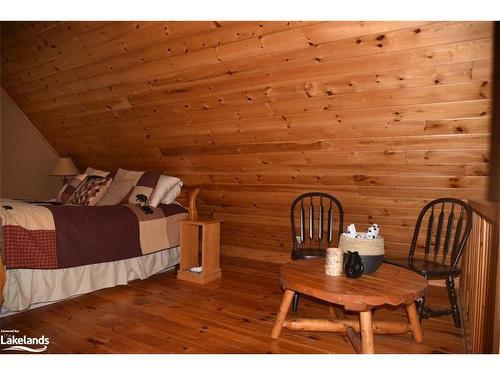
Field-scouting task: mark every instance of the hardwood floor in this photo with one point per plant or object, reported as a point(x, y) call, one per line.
point(230, 315)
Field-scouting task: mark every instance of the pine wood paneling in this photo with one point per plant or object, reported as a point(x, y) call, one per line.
point(480, 282)
point(384, 115)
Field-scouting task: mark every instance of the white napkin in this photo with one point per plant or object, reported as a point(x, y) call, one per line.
point(351, 231)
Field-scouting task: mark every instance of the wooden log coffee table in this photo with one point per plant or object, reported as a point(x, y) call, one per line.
point(389, 285)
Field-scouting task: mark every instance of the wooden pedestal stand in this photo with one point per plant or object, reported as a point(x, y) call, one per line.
point(210, 250)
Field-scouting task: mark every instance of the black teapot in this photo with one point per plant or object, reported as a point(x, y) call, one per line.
point(353, 267)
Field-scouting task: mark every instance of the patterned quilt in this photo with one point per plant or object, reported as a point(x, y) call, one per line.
point(50, 237)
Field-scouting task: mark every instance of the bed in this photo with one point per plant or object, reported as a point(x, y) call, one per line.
point(54, 252)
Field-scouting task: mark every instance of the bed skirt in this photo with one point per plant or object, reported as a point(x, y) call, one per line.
point(30, 288)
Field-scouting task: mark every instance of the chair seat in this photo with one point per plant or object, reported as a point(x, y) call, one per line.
point(310, 253)
point(428, 269)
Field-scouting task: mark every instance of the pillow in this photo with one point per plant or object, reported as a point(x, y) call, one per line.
point(164, 186)
point(67, 190)
point(59, 194)
point(143, 189)
point(90, 191)
point(122, 184)
point(126, 186)
point(172, 194)
point(96, 172)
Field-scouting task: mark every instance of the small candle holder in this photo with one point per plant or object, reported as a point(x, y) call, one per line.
point(334, 261)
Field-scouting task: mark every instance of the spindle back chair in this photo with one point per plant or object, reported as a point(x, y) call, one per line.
point(317, 220)
point(455, 234)
point(442, 229)
point(314, 217)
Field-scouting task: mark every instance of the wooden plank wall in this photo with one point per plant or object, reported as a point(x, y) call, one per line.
point(479, 290)
point(384, 115)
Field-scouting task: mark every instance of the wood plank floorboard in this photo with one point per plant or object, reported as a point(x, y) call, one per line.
point(230, 315)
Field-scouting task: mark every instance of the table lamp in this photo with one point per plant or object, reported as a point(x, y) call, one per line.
point(64, 167)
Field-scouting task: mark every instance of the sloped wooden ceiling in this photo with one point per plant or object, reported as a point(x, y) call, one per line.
point(384, 115)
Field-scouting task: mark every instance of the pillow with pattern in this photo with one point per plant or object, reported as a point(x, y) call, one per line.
point(123, 182)
point(90, 191)
point(96, 172)
point(68, 189)
point(143, 190)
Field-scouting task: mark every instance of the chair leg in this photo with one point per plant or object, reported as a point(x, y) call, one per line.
point(295, 303)
point(420, 307)
point(450, 285)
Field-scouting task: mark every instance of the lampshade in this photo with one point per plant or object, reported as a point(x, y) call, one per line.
point(64, 167)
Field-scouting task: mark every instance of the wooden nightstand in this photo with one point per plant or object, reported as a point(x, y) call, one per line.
point(210, 250)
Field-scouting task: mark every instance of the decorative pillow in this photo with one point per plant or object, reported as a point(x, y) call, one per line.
point(122, 184)
point(96, 172)
point(59, 194)
point(90, 191)
point(143, 190)
point(68, 189)
point(163, 188)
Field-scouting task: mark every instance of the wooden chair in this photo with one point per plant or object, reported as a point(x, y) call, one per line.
point(443, 244)
point(313, 218)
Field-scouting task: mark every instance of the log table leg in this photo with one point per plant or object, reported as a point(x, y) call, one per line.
point(366, 327)
point(341, 325)
point(416, 326)
point(282, 312)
